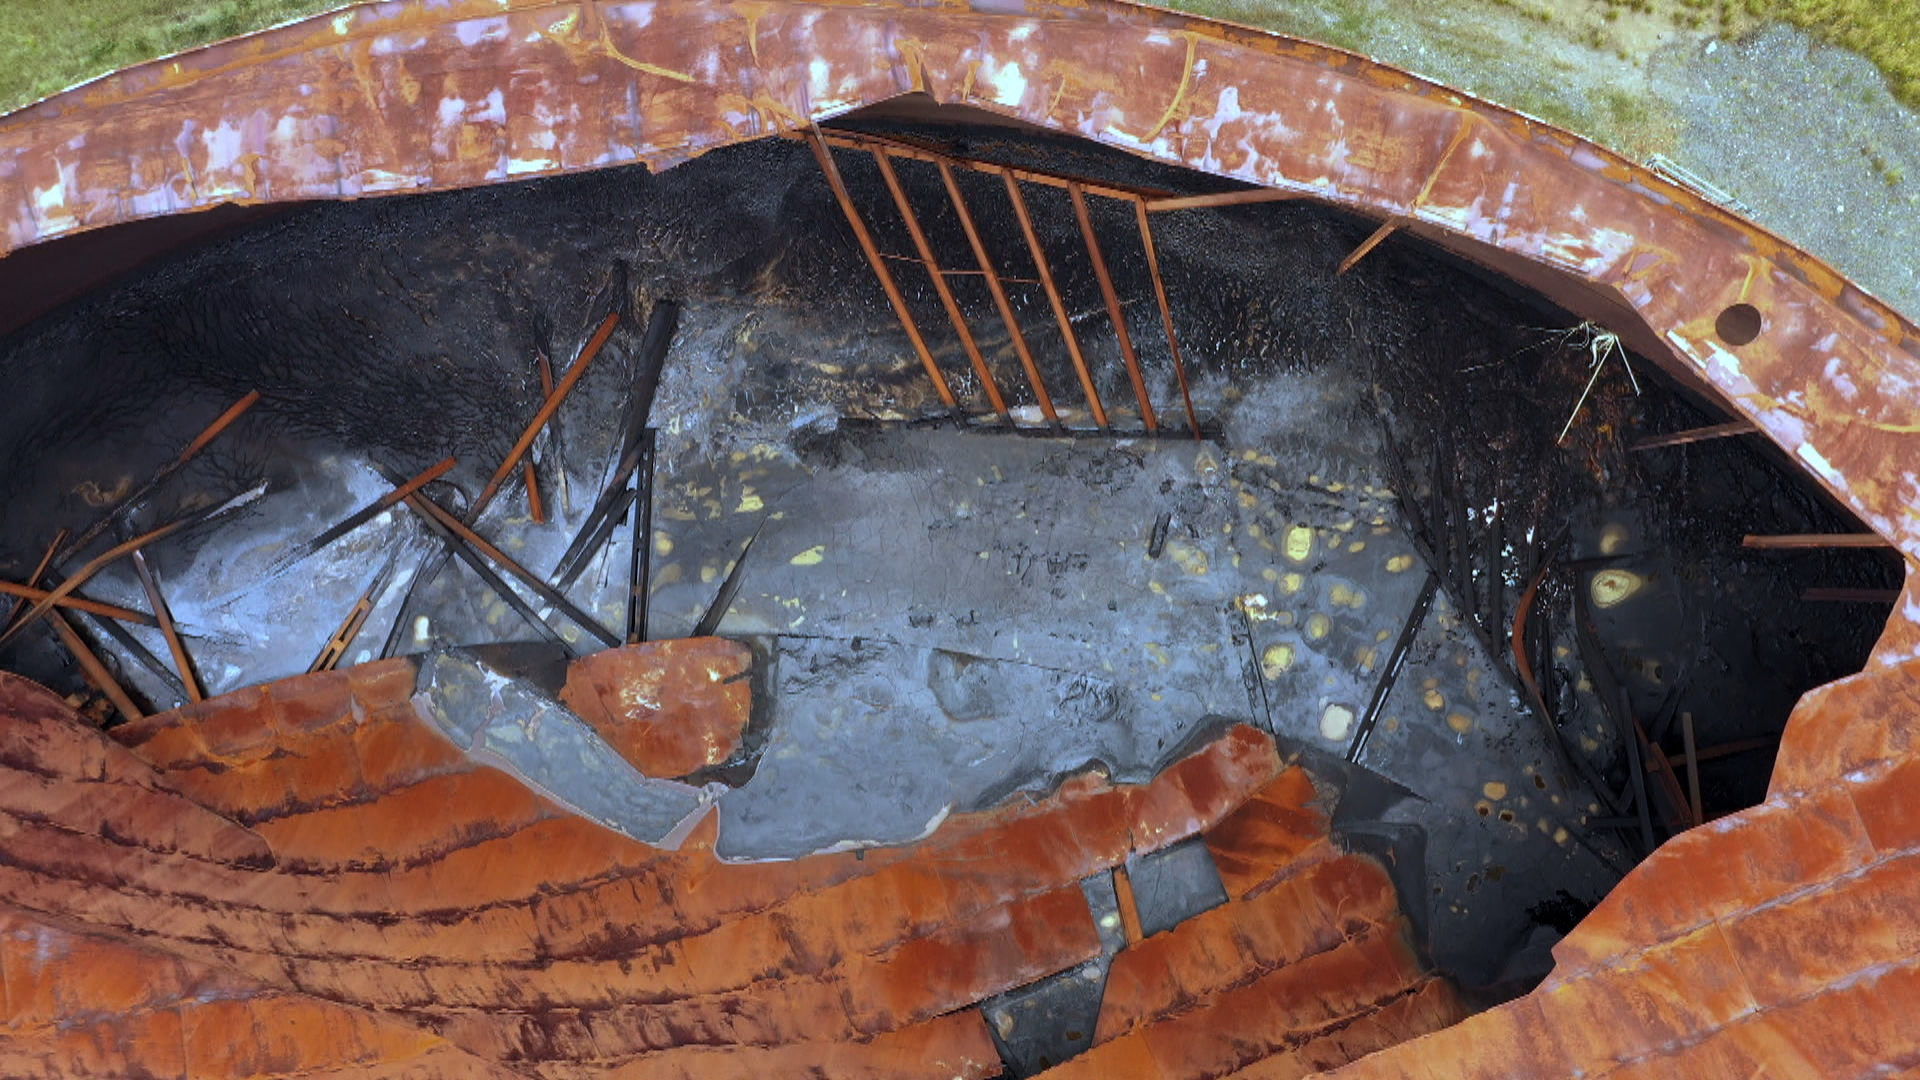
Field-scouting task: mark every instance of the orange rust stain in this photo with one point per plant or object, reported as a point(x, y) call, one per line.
point(669, 707)
point(81, 1003)
point(1269, 834)
point(1306, 915)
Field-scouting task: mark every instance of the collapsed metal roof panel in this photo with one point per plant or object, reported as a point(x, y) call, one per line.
point(315, 859)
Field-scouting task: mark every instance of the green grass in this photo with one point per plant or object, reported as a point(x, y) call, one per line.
point(49, 45)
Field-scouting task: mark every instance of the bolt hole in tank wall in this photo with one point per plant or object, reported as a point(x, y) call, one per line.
point(1450, 544)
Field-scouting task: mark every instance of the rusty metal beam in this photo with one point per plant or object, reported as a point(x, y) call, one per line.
point(182, 663)
point(934, 274)
point(342, 639)
point(547, 409)
point(192, 450)
point(28, 593)
point(33, 579)
point(95, 671)
point(1053, 297)
point(1816, 540)
point(824, 154)
point(65, 589)
point(1166, 318)
point(1694, 435)
point(1114, 311)
point(1367, 245)
point(1223, 198)
point(919, 152)
point(1000, 301)
point(442, 521)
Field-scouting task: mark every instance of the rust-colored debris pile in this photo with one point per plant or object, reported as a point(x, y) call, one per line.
point(308, 878)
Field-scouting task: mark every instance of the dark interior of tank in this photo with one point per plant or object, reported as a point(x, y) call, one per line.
point(1386, 472)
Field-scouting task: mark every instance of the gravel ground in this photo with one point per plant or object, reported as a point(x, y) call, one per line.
point(1807, 136)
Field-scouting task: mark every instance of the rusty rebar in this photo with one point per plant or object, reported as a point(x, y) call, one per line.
point(547, 409)
point(1368, 245)
point(1222, 198)
point(207, 435)
point(337, 645)
point(1054, 298)
point(1000, 301)
point(27, 593)
point(912, 149)
point(824, 155)
point(46, 602)
point(610, 507)
point(940, 287)
point(95, 671)
point(1166, 317)
point(535, 512)
point(1816, 540)
point(453, 546)
point(181, 661)
point(1114, 311)
point(448, 525)
point(368, 512)
point(1682, 438)
point(549, 448)
point(33, 579)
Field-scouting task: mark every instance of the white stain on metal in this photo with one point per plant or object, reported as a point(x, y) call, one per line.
point(50, 199)
point(493, 109)
point(479, 31)
point(1591, 252)
point(638, 15)
point(1225, 111)
point(223, 145)
point(1820, 465)
point(1837, 377)
point(1009, 85)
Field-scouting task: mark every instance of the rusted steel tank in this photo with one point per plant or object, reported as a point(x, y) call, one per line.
point(1785, 938)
